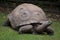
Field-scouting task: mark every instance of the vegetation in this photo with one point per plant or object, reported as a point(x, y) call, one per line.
point(6, 33)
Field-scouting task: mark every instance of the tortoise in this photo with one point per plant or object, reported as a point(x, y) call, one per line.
point(29, 18)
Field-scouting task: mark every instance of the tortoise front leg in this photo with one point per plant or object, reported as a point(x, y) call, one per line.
point(49, 31)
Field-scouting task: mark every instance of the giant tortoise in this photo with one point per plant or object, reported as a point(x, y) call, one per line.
point(29, 18)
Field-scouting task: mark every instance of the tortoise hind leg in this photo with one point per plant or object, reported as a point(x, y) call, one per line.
point(7, 23)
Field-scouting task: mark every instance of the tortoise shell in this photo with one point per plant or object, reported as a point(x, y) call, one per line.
point(26, 14)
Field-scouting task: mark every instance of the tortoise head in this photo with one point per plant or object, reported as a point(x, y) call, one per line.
point(46, 23)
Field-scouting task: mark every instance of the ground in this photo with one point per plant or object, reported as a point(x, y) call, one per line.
point(6, 33)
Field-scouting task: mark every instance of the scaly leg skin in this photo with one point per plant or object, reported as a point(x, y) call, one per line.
point(49, 31)
point(25, 29)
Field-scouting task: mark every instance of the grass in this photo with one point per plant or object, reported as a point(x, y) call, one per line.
point(6, 33)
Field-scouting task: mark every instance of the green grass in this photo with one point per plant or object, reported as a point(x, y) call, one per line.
point(6, 33)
